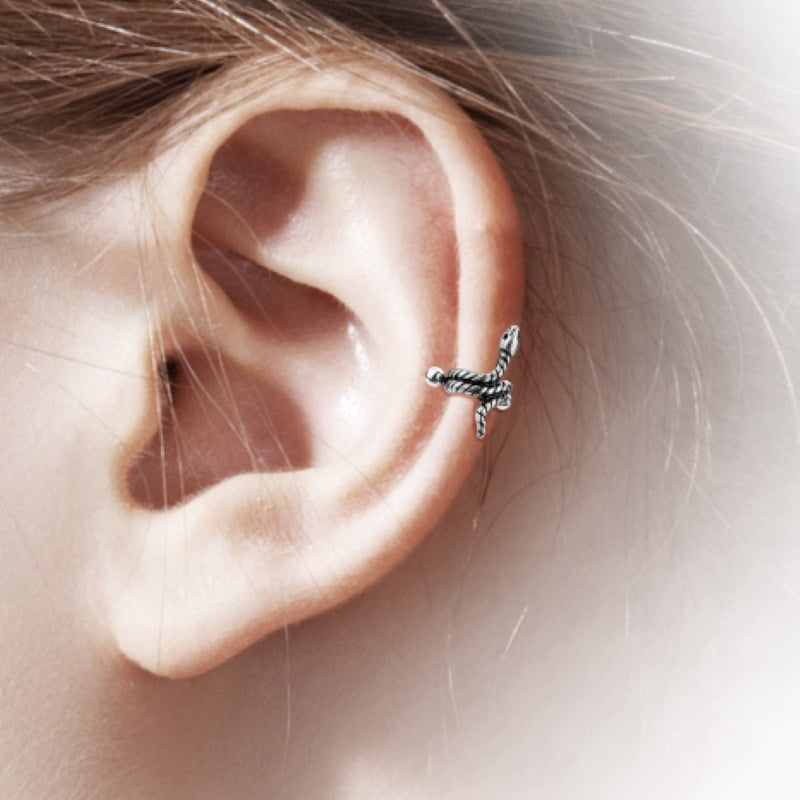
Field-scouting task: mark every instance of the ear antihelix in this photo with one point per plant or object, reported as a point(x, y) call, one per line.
point(354, 228)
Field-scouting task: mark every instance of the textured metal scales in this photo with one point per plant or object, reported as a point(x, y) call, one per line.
point(488, 388)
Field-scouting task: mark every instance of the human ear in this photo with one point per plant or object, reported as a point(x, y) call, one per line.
point(322, 244)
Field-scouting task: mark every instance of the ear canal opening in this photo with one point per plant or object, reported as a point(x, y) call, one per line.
point(216, 420)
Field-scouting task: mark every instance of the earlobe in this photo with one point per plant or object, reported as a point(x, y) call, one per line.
point(340, 235)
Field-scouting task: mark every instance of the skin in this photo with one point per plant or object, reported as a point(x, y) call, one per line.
point(591, 624)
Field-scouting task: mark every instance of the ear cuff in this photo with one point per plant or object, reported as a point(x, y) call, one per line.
point(487, 388)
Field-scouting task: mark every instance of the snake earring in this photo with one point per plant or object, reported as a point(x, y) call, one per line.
point(487, 388)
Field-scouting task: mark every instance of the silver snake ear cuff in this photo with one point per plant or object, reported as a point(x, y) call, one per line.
point(486, 387)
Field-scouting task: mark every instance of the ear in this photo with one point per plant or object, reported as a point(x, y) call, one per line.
point(322, 244)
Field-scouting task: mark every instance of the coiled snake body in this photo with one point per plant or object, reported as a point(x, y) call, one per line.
point(487, 388)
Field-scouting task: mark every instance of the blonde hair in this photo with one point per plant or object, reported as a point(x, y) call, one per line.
point(616, 128)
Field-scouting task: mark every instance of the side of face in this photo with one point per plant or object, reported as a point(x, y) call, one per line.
point(213, 416)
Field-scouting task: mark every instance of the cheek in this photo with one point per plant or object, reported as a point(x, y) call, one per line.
point(47, 679)
point(62, 373)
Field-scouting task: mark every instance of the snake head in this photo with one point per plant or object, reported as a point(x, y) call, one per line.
point(510, 339)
